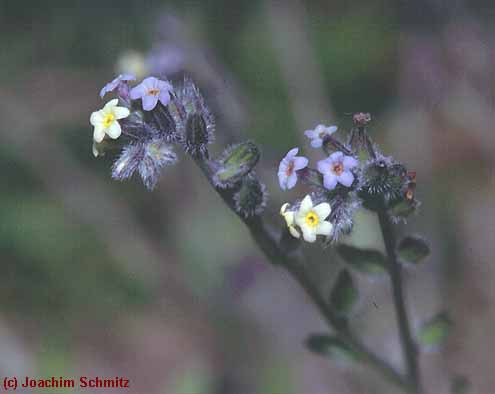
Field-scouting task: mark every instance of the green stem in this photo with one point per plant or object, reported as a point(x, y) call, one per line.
point(395, 272)
point(288, 255)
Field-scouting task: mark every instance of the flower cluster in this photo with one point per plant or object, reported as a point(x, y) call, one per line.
point(144, 121)
point(341, 183)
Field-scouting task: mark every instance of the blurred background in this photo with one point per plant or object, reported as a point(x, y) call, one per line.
point(102, 278)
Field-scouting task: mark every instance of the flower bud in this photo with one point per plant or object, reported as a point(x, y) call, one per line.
point(193, 119)
point(157, 154)
point(235, 163)
point(361, 119)
point(162, 121)
point(147, 158)
point(128, 161)
point(251, 198)
point(197, 136)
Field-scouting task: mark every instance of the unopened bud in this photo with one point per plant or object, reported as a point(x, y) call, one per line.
point(197, 135)
point(162, 121)
point(235, 163)
point(251, 198)
point(361, 119)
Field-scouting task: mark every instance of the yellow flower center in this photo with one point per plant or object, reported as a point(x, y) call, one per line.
point(322, 134)
point(338, 168)
point(108, 120)
point(154, 92)
point(312, 219)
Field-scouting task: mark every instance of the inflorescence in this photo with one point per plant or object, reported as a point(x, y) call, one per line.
point(353, 174)
point(146, 122)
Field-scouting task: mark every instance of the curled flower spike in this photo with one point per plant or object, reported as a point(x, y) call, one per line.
point(287, 176)
point(150, 91)
point(337, 169)
point(319, 133)
point(105, 121)
point(120, 80)
point(311, 219)
point(289, 219)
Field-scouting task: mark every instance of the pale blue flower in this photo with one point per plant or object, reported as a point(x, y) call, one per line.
point(287, 170)
point(150, 91)
point(337, 169)
point(111, 86)
point(319, 133)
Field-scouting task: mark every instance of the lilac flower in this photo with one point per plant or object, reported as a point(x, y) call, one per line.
point(116, 83)
point(319, 133)
point(150, 91)
point(287, 176)
point(337, 168)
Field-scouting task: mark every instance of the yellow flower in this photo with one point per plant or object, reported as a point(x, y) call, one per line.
point(311, 220)
point(289, 219)
point(105, 121)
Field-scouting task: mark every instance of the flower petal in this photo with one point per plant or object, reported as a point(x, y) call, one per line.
point(149, 82)
point(309, 234)
point(121, 112)
point(96, 118)
point(99, 133)
point(306, 205)
point(329, 181)
point(291, 153)
point(324, 166)
point(310, 134)
point(300, 162)
point(325, 228)
point(289, 218)
point(349, 162)
point(114, 130)
point(94, 149)
point(282, 180)
point(323, 210)
point(294, 232)
point(110, 104)
point(149, 102)
point(316, 143)
point(137, 91)
point(336, 156)
point(346, 178)
point(291, 181)
point(283, 208)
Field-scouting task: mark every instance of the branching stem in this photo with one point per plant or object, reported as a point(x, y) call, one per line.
point(290, 257)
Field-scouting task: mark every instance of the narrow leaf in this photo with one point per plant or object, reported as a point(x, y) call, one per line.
point(331, 347)
point(368, 261)
point(413, 249)
point(344, 294)
point(435, 331)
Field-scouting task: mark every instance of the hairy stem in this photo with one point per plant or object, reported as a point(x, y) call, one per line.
point(285, 252)
point(394, 267)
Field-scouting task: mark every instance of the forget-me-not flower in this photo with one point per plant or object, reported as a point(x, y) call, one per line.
point(319, 133)
point(287, 176)
point(337, 169)
point(150, 91)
